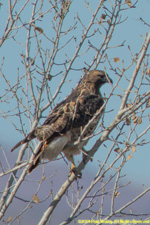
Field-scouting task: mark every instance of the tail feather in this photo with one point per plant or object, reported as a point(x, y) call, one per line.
point(36, 159)
point(33, 165)
point(30, 136)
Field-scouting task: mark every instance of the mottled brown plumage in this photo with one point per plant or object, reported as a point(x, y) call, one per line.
point(64, 125)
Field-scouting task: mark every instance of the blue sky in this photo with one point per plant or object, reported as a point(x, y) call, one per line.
point(132, 31)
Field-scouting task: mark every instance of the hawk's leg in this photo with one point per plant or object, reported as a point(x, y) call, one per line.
point(74, 170)
point(73, 167)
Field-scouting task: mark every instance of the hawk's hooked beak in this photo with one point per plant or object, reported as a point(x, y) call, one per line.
point(109, 80)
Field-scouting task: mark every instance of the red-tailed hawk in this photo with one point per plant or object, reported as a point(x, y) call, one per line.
point(62, 129)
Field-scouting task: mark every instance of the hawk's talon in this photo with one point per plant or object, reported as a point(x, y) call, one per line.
point(74, 170)
point(77, 174)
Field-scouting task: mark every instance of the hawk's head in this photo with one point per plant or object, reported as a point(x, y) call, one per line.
point(97, 78)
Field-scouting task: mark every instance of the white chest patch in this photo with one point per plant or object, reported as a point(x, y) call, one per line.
point(56, 146)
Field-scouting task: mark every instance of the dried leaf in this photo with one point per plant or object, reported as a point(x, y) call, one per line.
point(139, 121)
point(101, 21)
point(39, 29)
point(129, 157)
point(128, 2)
point(103, 16)
point(133, 149)
point(116, 59)
point(117, 150)
point(35, 199)
point(148, 71)
point(43, 178)
point(135, 118)
point(117, 193)
point(9, 219)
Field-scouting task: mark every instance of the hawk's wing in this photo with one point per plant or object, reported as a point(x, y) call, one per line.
point(55, 114)
point(73, 112)
point(55, 123)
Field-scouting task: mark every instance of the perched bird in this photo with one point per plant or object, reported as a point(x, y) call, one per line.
point(69, 125)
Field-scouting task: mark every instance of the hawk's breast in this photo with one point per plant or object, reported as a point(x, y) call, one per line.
point(55, 147)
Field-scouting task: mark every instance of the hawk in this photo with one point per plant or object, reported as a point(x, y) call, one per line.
point(70, 121)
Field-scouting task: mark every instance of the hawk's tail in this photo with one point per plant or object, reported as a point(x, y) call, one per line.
point(33, 165)
point(36, 159)
point(29, 137)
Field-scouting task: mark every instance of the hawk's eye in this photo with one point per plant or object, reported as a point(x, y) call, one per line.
point(102, 76)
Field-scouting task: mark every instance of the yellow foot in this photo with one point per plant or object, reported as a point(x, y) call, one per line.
point(74, 170)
